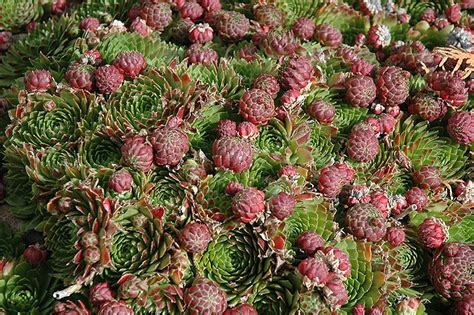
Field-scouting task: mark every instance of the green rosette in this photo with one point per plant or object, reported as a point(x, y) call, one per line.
point(11, 245)
point(364, 285)
point(211, 198)
point(271, 140)
point(321, 145)
point(61, 238)
point(423, 145)
point(347, 116)
point(309, 215)
point(15, 14)
point(46, 120)
point(383, 171)
point(203, 124)
point(138, 244)
point(280, 295)
point(25, 289)
point(97, 151)
point(295, 9)
point(141, 184)
point(155, 294)
point(236, 260)
point(150, 99)
point(19, 188)
point(78, 233)
point(250, 70)
point(286, 141)
point(51, 46)
point(95, 8)
point(407, 267)
point(47, 168)
point(170, 193)
point(263, 170)
point(344, 17)
point(220, 78)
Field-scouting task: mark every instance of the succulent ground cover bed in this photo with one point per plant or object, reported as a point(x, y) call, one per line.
point(236, 157)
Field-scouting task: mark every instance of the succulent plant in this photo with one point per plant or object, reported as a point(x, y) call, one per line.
point(26, 288)
point(236, 261)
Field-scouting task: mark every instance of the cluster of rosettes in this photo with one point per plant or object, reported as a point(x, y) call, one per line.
point(166, 145)
point(326, 268)
point(87, 74)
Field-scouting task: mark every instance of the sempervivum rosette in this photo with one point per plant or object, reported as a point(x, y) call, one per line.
point(278, 295)
point(211, 199)
point(311, 214)
point(15, 14)
point(364, 284)
point(231, 26)
point(205, 297)
point(138, 244)
point(98, 151)
point(155, 293)
point(123, 183)
point(77, 234)
point(169, 194)
point(287, 140)
point(235, 259)
point(451, 271)
point(10, 245)
point(364, 221)
point(150, 99)
point(71, 307)
point(48, 167)
point(25, 289)
point(407, 264)
point(53, 118)
point(19, 188)
point(277, 42)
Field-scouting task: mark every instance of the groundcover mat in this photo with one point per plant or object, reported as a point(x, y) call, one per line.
point(236, 157)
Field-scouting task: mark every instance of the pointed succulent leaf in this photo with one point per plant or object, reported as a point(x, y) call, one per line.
point(95, 8)
point(15, 14)
point(11, 245)
point(347, 116)
point(295, 9)
point(250, 70)
point(321, 144)
point(341, 15)
point(47, 168)
point(220, 76)
point(211, 198)
point(203, 124)
point(157, 294)
point(80, 212)
point(98, 151)
point(383, 171)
